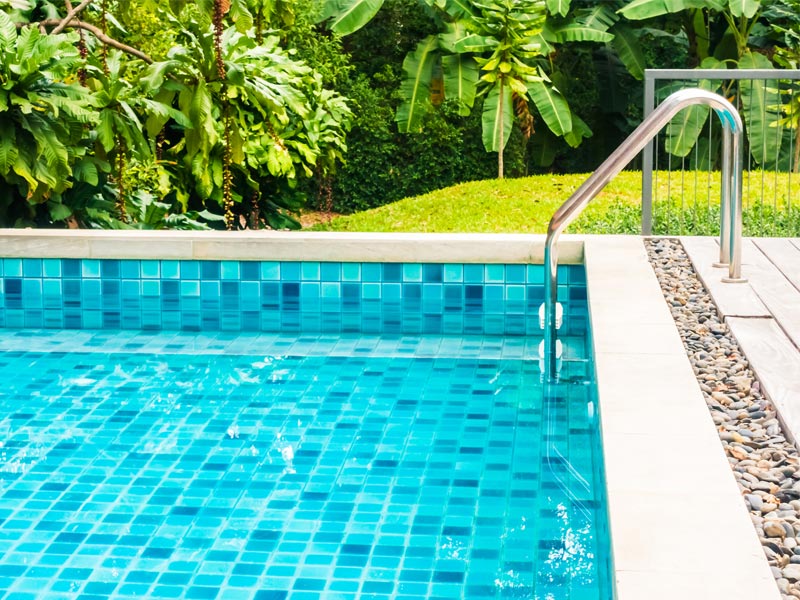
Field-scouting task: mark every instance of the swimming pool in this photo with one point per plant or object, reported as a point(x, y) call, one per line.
point(385, 440)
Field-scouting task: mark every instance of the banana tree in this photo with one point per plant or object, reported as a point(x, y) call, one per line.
point(479, 41)
point(487, 49)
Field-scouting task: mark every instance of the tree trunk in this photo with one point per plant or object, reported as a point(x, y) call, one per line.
point(502, 135)
point(797, 150)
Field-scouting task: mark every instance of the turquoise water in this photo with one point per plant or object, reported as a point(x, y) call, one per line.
point(269, 467)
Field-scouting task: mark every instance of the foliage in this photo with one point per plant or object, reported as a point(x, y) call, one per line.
point(145, 212)
point(143, 26)
point(324, 54)
point(732, 34)
point(484, 49)
point(282, 121)
point(42, 118)
point(383, 167)
point(220, 95)
point(348, 16)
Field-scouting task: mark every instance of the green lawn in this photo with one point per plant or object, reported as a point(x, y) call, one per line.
point(510, 205)
point(526, 205)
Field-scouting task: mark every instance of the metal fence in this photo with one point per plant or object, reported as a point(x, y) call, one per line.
point(681, 167)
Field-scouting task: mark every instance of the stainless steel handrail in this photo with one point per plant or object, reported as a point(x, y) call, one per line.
point(731, 219)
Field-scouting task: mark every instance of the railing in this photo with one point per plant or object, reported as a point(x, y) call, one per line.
point(677, 168)
point(731, 221)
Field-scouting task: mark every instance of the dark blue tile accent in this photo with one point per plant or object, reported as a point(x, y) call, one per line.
point(251, 271)
point(70, 267)
point(110, 269)
point(432, 273)
point(209, 269)
point(392, 272)
point(13, 292)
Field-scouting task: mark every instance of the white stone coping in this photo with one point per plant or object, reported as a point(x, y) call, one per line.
point(283, 245)
point(679, 526)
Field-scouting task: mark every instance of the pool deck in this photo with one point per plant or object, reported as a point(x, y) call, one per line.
point(679, 526)
point(763, 313)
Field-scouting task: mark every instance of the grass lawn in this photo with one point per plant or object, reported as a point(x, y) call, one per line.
point(509, 205)
point(525, 205)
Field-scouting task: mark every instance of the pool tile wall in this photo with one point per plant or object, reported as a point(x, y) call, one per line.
point(268, 296)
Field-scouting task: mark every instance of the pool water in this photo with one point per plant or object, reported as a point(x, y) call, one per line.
point(177, 465)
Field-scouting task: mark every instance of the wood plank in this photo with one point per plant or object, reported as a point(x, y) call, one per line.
point(776, 363)
point(732, 299)
point(775, 291)
point(784, 255)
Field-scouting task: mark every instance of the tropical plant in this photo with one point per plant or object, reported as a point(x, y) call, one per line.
point(221, 118)
point(600, 22)
point(43, 117)
point(264, 116)
point(719, 36)
point(485, 49)
point(122, 109)
point(778, 35)
point(146, 212)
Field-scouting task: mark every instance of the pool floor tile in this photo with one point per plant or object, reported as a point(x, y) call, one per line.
point(173, 465)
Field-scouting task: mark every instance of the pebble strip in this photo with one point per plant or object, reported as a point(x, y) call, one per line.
point(765, 464)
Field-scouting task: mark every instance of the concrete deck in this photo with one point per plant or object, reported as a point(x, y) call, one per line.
point(679, 526)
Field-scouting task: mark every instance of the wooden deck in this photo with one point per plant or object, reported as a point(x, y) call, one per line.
point(763, 314)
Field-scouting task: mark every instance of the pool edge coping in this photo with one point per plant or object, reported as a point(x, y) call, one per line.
point(679, 526)
point(284, 245)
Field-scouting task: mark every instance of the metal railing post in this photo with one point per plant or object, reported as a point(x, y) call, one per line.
point(735, 226)
point(647, 158)
point(725, 212)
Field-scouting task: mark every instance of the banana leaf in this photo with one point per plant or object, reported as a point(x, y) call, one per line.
point(348, 16)
point(497, 118)
point(626, 45)
point(647, 9)
point(558, 7)
point(744, 8)
point(416, 85)
point(761, 102)
point(682, 131)
point(460, 81)
point(552, 106)
point(578, 32)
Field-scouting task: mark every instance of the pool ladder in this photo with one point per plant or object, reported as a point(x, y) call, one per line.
point(731, 201)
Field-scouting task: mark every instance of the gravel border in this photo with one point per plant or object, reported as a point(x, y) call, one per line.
point(766, 465)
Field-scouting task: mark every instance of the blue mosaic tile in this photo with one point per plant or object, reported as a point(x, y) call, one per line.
point(271, 296)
